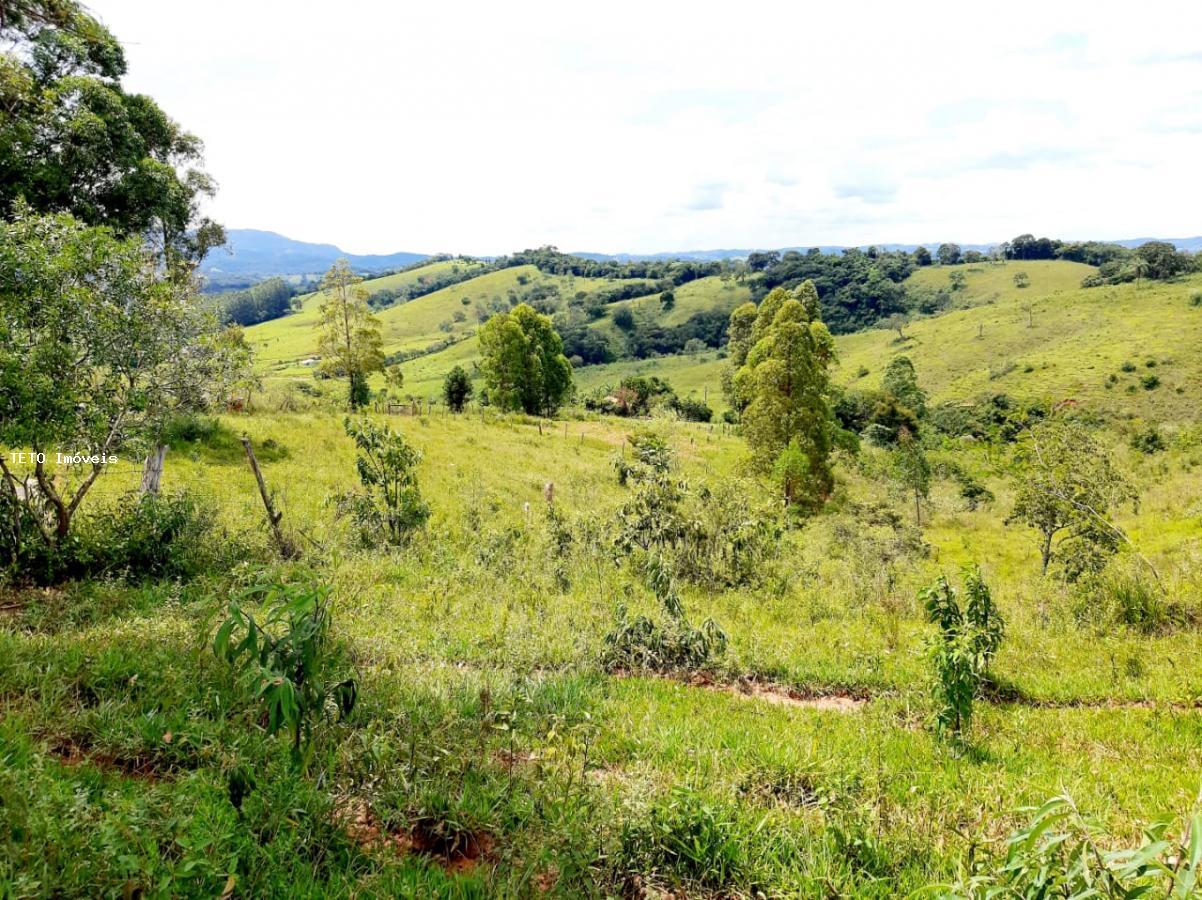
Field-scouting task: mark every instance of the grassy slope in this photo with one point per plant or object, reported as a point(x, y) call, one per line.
point(987, 282)
point(472, 610)
point(282, 343)
point(1066, 348)
point(1079, 338)
point(292, 337)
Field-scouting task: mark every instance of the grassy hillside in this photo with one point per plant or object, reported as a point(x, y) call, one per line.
point(696, 296)
point(283, 343)
point(1065, 345)
point(484, 713)
point(994, 281)
point(292, 338)
point(1052, 343)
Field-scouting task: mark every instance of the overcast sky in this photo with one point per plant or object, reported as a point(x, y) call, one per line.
point(643, 126)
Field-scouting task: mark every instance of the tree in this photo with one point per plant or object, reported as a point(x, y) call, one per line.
point(667, 300)
point(350, 342)
point(97, 351)
point(922, 256)
point(1021, 279)
point(901, 380)
point(912, 470)
point(523, 362)
point(898, 322)
point(391, 503)
point(783, 385)
point(456, 389)
point(949, 254)
point(1066, 485)
point(73, 140)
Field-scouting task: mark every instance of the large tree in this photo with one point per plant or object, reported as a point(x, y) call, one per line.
point(97, 351)
point(523, 362)
point(72, 140)
point(350, 343)
point(782, 383)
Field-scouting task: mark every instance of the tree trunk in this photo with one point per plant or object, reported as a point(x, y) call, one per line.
point(1046, 553)
point(152, 471)
point(918, 509)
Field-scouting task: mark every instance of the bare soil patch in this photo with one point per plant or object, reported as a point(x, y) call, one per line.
point(456, 850)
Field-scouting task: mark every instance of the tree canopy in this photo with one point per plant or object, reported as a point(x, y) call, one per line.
point(73, 140)
point(523, 362)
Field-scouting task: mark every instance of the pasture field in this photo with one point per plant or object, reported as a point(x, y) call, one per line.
point(486, 718)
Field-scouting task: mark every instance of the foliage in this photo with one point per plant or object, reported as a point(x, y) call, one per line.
point(781, 383)
point(857, 288)
point(685, 836)
point(1066, 485)
point(1148, 441)
point(350, 341)
point(286, 660)
point(523, 362)
point(97, 352)
point(969, 635)
point(391, 505)
point(456, 389)
point(912, 470)
point(72, 140)
point(262, 302)
point(1064, 853)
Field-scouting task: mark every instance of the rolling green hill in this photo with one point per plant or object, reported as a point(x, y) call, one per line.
point(1050, 341)
point(990, 281)
point(1066, 347)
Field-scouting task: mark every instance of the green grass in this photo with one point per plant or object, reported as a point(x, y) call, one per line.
point(484, 710)
point(989, 282)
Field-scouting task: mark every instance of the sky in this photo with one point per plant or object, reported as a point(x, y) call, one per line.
point(485, 127)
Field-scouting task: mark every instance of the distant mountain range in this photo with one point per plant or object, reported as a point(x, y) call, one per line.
point(252, 254)
point(265, 253)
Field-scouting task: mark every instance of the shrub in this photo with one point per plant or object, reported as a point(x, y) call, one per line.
point(1148, 441)
point(1062, 853)
point(287, 660)
point(391, 506)
point(1150, 382)
point(1195, 298)
point(137, 536)
point(967, 640)
point(151, 536)
point(1127, 366)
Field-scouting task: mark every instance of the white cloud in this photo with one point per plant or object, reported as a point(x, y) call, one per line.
point(482, 127)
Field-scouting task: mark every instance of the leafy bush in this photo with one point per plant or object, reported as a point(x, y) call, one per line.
point(1062, 853)
point(967, 640)
point(1150, 382)
point(287, 660)
point(391, 506)
point(137, 536)
point(149, 536)
point(1148, 441)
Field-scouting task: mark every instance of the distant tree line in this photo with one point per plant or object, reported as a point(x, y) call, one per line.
point(856, 289)
point(553, 262)
point(262, 302)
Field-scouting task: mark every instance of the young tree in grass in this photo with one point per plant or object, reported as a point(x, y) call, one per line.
point(456, 389)
point(97, 350)
point(912, 469)
point(350, 343)
point(523, 362)
point(1066, 485)
point(784, 386)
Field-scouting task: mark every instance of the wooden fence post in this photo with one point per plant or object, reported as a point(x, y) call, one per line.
point(287, 549)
